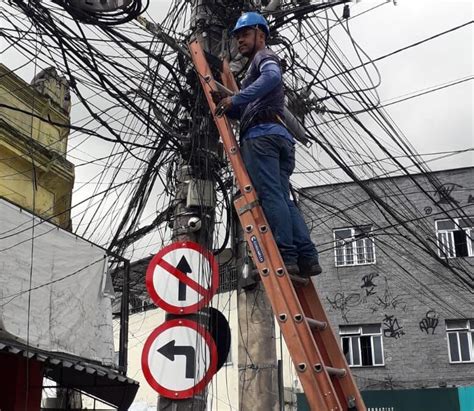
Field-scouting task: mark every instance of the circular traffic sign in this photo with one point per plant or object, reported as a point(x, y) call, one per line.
point(182, 278)
point(179, 358)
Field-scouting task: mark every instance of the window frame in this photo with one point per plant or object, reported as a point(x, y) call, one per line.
point(446, 247)
point(353, 241)
point(360, 333)
point(469, 329)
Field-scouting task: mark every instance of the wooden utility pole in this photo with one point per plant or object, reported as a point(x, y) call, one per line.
point(257, 360)
point(258, 371)
point(194, 203)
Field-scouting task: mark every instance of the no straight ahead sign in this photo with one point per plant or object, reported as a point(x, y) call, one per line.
point(182, 278)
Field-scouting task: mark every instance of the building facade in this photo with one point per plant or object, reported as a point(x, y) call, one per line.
point(398, 278)
point(55, 299)
point(35, 173)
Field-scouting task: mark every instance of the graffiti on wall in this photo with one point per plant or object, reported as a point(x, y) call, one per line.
point(344, 302)
point(429, 322)
point(375, 297)
point(391, 327)
point(368, 284)
point(444, 193)
point(388, 301)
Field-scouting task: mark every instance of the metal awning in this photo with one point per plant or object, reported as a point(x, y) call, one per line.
point(104, 383)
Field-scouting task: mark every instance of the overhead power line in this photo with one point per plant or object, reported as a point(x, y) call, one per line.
point(398, 51)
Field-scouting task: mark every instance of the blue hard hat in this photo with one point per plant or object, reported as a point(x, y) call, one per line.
point(251, 19)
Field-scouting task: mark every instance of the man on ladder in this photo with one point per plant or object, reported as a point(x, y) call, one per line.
point(267, 147)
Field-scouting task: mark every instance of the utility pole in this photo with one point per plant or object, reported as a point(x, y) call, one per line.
point(211, 22)
point(194, 203)
point(257, 360)
point(258, 370)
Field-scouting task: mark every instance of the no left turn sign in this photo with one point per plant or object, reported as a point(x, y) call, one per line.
point(182, 278)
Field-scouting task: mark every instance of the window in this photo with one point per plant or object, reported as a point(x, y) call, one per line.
point(353, 246)
point(362, 344)
point(460, 340)
point(455, 237)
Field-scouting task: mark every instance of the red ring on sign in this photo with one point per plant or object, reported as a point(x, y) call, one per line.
point(155, 261)
point(165, 392)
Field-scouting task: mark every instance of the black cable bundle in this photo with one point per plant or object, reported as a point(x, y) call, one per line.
point(104, 18)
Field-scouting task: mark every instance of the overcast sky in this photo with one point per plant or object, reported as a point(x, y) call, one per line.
point(442, 120)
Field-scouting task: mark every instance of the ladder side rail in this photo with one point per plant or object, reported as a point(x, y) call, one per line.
point(227, 78)
point(330, 345)
point(222, 123)
point(305, 349)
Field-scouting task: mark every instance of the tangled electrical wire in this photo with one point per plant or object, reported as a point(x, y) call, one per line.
point(104, 13)
point(137, 114)
point(134, 90)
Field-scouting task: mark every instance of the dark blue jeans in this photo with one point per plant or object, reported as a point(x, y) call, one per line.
point(270, 161)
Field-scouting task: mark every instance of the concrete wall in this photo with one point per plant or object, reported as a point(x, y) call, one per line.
point(406, 286)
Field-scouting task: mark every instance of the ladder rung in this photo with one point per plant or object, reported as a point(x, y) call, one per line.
point(336, 372)
point(320, 325)
point(223, 88)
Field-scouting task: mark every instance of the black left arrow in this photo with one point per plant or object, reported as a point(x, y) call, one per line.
point(184, 267)
point(169, 350)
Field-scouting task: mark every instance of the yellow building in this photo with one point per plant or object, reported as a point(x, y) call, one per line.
point(34, 172)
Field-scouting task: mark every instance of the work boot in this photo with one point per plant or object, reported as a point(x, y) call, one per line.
point(309, 268)
point(292, 269)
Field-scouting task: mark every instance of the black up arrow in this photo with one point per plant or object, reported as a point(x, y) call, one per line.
point(184, 267)
point(170, 350)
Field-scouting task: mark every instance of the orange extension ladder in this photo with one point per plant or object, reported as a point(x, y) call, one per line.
point(314, 349)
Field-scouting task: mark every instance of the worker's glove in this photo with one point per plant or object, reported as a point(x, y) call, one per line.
point(223, 106)
point(217, 96)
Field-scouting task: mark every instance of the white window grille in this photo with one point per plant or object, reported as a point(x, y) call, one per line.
point(460, 340)
point(362, 345)
point(455, 237)
point(353, 246)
